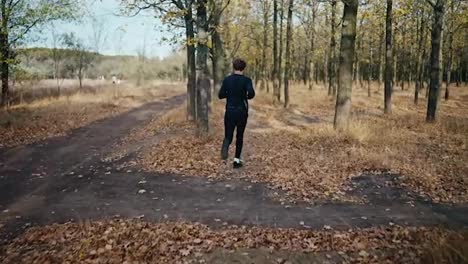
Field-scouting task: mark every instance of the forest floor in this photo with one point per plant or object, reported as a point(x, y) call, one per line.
point(297, 151)
point(140, 186)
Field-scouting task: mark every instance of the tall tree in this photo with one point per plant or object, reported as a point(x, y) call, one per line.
point(280, 55)
point(421, 53)
point(178, 14)
point(17, 19)
point(307, 13)
point(203, 79)
point(450, 45)
point(82, 57)
point(388, 60)
point(347, 49)
point(191, 66)
point(369, 67)
point(288, 51)
point(381, 55)
point(357, 56)
point(312, 44)
point(216, 9)
point(276, 91)
point(436, 57)
point(332, 59)
point(266, 14)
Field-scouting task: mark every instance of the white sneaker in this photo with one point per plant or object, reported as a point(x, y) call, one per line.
point(237, 163)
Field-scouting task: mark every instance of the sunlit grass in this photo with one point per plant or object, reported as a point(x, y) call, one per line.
point(297, 149)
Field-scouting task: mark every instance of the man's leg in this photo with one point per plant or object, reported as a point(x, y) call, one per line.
point(240, 134)
point(229, 126)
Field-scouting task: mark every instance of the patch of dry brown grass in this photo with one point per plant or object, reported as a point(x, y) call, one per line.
point(297, 149)
point(54, 116)
point(432, 156)
point(450, 248)
point(173, 117)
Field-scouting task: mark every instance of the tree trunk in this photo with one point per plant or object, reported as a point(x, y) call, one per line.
point(450, 56)
point(463, 76)
point(80, 76)
point(332, 58)
point(257, 63)
point(280, 55)
point(5, 54)
point(326, 65)
point(369, 68)
point(423, 66)
point(288, 51)
point(5, 57)
point(436, 50)
point(191, 66)
point(381, 60)
point(394, 58)
point(217, 61)
point(203, 80)
point(402, 60)
point(357, 54)
point(460, 72)
point(312, 75)
point(276, 90)
point(264, 45)
point(419, 63)
point(267, 80)
point(428, 82)
point(356, 74)
point(345, 83)
point(447, 84)
point(316, 67)
point(388, 59)
point(409, 64)
point(305, 69)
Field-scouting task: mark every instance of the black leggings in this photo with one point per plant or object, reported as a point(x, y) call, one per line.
point(235, 119)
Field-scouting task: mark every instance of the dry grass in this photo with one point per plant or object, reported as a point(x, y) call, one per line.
point(173, 117)
point(125, 94)
point(298, 150)
point(53, 116)
point(447, 248)
point(432, 156)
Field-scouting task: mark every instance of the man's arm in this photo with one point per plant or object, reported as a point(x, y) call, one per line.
point(250, 90)
point(222, 92)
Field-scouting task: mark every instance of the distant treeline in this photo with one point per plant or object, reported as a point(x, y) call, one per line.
point(39, 63)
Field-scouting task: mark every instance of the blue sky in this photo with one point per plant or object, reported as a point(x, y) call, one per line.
point(106, 12)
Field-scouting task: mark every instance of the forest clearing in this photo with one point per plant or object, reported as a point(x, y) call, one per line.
point(115, 135)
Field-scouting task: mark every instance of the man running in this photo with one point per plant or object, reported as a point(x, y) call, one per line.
point(237, 89)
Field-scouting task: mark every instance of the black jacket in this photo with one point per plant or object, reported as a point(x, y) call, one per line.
point(237, 89)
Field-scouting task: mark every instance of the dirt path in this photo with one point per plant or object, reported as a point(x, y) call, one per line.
point(65, 178)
